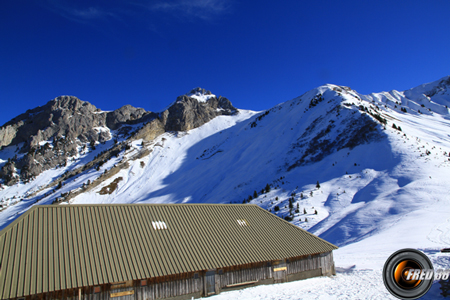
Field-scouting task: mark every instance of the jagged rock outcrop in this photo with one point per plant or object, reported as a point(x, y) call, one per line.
point(123, 115)
point(7, 173)
point(150, 130)
point(7, 134)
point(189, 113)
point(65, 116)
point(49, 135)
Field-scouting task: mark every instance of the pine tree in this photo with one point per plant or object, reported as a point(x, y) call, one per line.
point(315, 212)
point(255, 194)
point(318, 185)
point(304, 211)
point(267, 188)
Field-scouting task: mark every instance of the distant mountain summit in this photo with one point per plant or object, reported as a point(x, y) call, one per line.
point(200, 94)
point(436, 94)
point(64, 116)
point(195, 109)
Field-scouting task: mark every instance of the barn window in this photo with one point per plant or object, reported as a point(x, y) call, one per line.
point(242, 222)
point(143, 282)
point(159, 225)
point(221, 272)
point(195, 275)
point(97, 289)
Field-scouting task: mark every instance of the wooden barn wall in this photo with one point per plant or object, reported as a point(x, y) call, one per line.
point(155, 290)
point(305, 264)
point(187, 284)
point(237, 275)
point(168, 289)
point(327, 264)
point(321, 261)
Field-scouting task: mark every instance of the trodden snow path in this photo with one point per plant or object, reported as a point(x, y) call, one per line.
point(359, 284)
point(362, 284)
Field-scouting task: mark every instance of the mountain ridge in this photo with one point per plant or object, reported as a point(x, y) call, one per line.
point(70, 123)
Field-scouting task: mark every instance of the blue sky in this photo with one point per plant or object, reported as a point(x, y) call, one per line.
point(256, 53)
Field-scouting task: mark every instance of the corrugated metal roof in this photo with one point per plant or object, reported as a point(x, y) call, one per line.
point(52, 248)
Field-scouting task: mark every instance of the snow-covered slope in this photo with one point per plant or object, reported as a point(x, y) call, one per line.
point(381, 160)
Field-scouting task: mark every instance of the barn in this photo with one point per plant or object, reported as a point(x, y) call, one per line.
point(153, 251)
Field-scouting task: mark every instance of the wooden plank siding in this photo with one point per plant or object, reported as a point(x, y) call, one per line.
point(188, 285)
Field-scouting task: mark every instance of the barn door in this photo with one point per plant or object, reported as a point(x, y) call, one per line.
point(210, 286)
point(279, 272)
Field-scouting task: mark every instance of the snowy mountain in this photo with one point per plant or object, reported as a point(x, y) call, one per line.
point(47, 137)
point(369, 173)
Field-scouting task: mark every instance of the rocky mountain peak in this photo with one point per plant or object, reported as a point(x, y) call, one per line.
point(199, 91)
point(194, 109)
point(71, 103)
point(199, 94)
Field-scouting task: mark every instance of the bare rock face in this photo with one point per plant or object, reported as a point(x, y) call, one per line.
point(123, 115)
point(150, 130)
point(188, 112)
point(50, 134)
point(65, 116)
point(7, 173)
point(7, 134)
